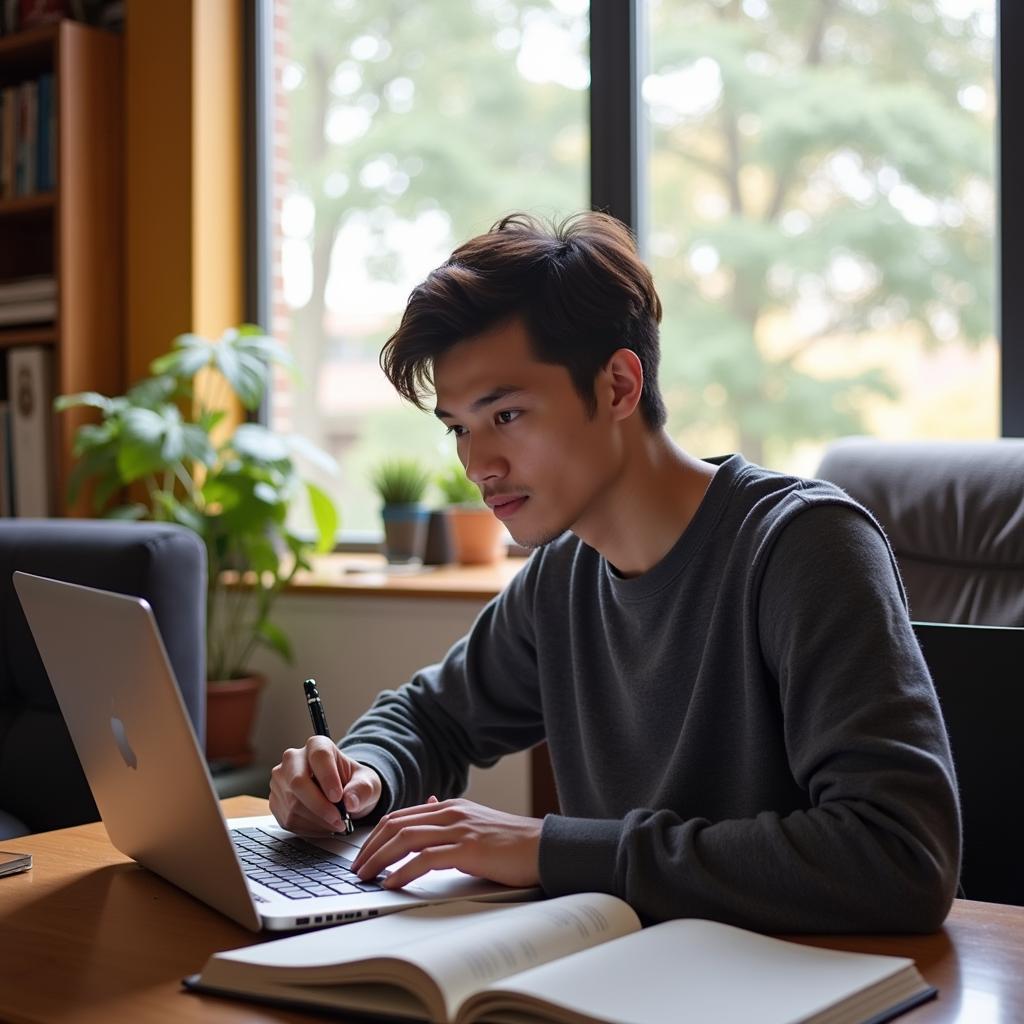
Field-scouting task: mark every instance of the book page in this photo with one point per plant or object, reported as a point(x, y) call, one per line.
point(489, 948)
point(462, 947)
point(368, 955)
point(315, 955)
point(700, 970)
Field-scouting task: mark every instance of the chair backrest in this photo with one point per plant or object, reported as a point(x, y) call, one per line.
point(954, 514)
point(41, 782)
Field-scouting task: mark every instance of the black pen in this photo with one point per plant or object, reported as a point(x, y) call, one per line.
point(316, 713)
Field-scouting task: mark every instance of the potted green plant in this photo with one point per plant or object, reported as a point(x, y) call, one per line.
point(167, 444)
point(402, 483)
point(478, 538)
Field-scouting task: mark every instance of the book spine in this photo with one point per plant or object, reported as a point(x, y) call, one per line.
point(6, 482)
point(19, 142)
point(10, 138)
point(3, 143)
point(31, 137)
point(44, 173)
point(31, 401)
point(6, 505)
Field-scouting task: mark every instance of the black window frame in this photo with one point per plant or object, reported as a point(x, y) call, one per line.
point(1009, 77)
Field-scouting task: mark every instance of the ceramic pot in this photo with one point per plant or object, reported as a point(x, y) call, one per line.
point(230, 715)
point(478, 538)
point(405, 532)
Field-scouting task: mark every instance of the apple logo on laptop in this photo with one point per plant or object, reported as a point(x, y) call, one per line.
point(121, 739)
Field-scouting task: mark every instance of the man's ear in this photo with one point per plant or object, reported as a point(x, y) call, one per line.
point(622, 381)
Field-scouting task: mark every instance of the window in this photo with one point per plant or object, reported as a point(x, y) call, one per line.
point(813, 185)
point(401, 129)
point(822, 221)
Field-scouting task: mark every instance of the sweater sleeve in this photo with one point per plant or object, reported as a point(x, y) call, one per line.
point(479, 703)
point(877, 845)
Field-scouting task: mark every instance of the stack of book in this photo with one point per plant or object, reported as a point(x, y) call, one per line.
point(27, 138)
point(28, 300)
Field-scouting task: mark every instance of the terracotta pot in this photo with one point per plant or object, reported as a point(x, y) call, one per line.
point(230, 715)
point(478, 538)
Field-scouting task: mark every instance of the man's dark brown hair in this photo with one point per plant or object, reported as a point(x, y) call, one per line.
point(579, 287)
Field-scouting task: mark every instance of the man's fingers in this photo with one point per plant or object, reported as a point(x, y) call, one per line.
point(310, 781)
point(430, 860)
point(410, 839)
point(362, 792)
point(304, 823)
point(391, 824)
point(329, 766)
point(309, 794)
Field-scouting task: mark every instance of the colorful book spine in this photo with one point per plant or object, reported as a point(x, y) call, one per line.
point(45, 171)
point(27, 138)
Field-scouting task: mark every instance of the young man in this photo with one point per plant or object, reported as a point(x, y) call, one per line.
point(740, 722)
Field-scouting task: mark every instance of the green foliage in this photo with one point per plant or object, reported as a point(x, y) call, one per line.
point(833, 143)
point(234, 493)
point(401, 480)
point(456, 487)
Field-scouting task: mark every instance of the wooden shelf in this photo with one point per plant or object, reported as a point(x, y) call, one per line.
point(74, 232)
point(22, 52)
point(370, 576)
point(24, 206)
point(44, 335)
point(38, 40)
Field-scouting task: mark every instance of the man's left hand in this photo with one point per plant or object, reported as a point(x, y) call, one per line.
point(453, 834)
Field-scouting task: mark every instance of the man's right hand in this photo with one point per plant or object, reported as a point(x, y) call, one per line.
point(310, 780)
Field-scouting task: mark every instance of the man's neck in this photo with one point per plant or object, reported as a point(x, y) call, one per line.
point(650, 505)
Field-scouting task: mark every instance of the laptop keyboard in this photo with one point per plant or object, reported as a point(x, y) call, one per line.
point(296, 869)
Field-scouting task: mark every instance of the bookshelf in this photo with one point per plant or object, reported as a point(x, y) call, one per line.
point(73, 232)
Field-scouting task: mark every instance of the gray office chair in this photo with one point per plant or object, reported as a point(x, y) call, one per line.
point(42, 786)
point(954, 514)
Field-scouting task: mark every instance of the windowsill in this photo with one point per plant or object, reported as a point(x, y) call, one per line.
point(368, 575)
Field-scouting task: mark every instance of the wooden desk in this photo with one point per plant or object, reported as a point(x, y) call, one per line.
point(87, 937)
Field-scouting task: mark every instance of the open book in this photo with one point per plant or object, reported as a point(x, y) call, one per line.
point(578, 958)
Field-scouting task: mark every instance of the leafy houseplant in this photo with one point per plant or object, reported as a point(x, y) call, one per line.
point(402, 483)
point(167, 437)
point(477, 535)
point(456, 488)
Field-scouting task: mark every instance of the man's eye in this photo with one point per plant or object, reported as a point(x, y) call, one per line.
point(507, 415)
point(456, 430)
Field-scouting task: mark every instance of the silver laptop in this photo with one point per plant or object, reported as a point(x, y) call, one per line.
point(116, 690)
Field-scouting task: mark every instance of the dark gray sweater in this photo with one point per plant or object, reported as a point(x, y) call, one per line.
point(746, 732)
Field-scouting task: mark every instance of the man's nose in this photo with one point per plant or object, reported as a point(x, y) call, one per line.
point(483, 462)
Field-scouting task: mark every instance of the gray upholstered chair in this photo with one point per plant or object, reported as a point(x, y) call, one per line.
point(954, 513)
point(41, 782)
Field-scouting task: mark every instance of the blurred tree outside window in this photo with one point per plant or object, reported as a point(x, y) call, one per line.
point(401, 128)
point(822, 221)
point(820, 207)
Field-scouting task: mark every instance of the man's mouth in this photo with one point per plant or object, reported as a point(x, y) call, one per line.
point(504, 506)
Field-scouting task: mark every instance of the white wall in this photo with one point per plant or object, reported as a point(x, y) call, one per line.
point(354, 647)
